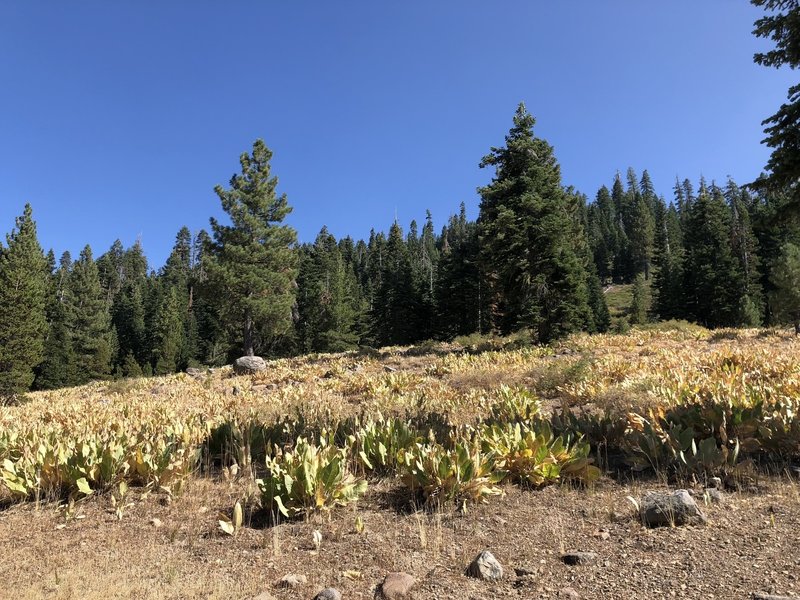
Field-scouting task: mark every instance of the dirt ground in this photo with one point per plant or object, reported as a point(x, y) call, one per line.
point(160, 549)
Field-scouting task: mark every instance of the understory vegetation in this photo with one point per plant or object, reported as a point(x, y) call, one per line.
point(454, 423)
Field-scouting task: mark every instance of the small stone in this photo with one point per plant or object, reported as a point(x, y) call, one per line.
point(669, 509)
point(292, 580)
point(247, 365)
point(486, 567)
point(328, 594)
point(156, 523)
point(395, 586)
point(525, 571)
point(579, 558)
point(389, 369)
point(715, 482)
point(714, 495)
point(568, 594)
point(765, 596)
point(194, 372)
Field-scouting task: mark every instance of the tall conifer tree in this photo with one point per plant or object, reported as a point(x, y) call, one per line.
point(526, 238)
point(252, 263)
point(23, 288)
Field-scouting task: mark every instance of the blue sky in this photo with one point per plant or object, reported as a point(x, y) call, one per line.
point(117, 119)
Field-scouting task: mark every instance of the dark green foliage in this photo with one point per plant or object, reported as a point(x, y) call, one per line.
point(712, 278)
point(745, 247)
point(461, 309)
point(328, 298)
point(781, 25)
point(535, 276)
point(89, 320)
point(785, 277)
point(23, 298)
point(395, 309)
point(251, 264)
point(640, 305)
point(168, 334)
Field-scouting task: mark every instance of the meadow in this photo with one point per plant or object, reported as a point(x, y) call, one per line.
point(428, 442)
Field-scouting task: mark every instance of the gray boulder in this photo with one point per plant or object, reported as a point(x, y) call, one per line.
point(328, 594)
point(247, 365)
point(667, 509)
point(486, 567)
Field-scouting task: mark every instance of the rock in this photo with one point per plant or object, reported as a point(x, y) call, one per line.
point(714, 495)
point(568, 594)
point(579, 558)
point(247, 365)
point(395, 586)
point(156, 522)
point(328, 594)
point(194, 372)
point(715, 482)
point(669, 508)
point(485, 566)
point(264, 596)
point(292, 580)
point(765, 596)
point(389, 369)
point(525, 571)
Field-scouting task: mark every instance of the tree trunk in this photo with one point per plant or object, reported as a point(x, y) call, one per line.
point(248, 334)
point(796, 328)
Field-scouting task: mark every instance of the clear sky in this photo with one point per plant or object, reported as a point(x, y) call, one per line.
point(118, 118)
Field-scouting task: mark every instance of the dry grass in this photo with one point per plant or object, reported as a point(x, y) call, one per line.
point(750, 544)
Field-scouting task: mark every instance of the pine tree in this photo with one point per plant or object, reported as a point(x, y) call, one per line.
point(394, 310)
point(88, 319)
point(641, 226)
point(785, 277)
point(712, 279)
point(326, 297)
point(536, 278)
point(23, 324)
point(461, 310)
point(668, 301)
point(782, 25)
point(58, 368)
point(168, 334)
point(745, 247)
point(640, 305)
point(252, 263)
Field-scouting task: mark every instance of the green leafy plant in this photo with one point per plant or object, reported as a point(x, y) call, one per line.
point(308, 479)
point(532, 455)
point(379, 441)
point(462, 474)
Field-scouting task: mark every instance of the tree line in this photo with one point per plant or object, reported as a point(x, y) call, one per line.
point(537, 258)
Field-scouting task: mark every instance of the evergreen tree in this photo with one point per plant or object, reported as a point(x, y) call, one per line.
point(712, 280)
point(88, 319)
point(640, 305)
point(326, 297)
point(667, 285)
point(252, 263)
point(394, 310)
point(168, 332)
point(460, 304)
point(23, 288)
point(745, 247)
point(641, 227)
point(622, 257)
point(58, 368)
point(785, 277)
point(536, 278)
point(782, 25)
